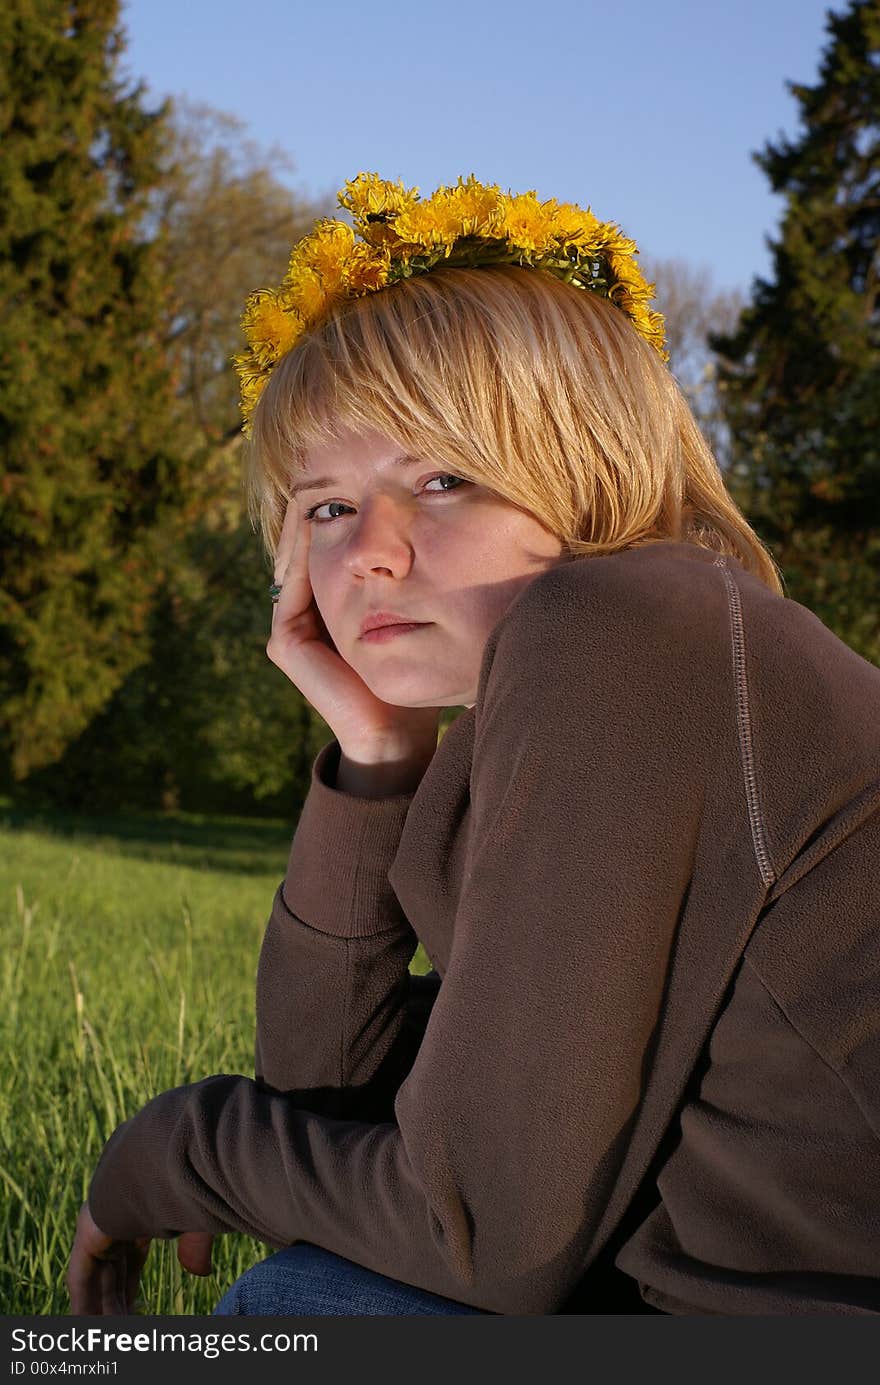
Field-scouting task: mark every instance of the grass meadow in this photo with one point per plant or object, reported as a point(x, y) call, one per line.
point(129, 954)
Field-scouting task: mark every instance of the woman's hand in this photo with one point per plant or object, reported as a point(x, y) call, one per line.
point(104, 1274)
point(300, 645)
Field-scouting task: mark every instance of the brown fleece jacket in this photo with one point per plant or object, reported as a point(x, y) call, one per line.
point(645, 866)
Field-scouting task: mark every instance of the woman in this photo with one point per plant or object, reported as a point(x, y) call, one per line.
point(643, 859)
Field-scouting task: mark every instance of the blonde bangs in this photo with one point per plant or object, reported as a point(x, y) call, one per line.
point(511, 378)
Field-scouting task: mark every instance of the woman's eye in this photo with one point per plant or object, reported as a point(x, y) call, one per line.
point(312, 514)
point(446, 476)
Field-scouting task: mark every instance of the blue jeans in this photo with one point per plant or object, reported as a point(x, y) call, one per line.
point(306, 1280)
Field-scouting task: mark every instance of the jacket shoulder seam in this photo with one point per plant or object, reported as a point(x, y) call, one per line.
point(745, 736)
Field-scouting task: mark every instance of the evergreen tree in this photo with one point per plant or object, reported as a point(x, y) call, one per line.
point(91, 473)
point(800, 377)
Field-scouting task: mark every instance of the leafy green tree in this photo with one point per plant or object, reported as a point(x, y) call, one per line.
point(92, 471)
point(207, 723)
point(229, 220)
point(800, 377)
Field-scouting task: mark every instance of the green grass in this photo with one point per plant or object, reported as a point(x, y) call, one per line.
point(129, 953)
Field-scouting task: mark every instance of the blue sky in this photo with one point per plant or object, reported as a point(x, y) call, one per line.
point(646, 112)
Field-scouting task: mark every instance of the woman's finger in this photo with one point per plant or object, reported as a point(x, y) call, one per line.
point(296, 595)
point(286, 539)
point(194, 1251)
point(83, 1280)
point(82, 1285)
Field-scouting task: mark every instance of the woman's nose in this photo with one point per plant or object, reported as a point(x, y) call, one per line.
point(380, 537)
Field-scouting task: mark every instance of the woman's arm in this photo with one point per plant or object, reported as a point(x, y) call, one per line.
point(591, 756)
point(333, 973)
point(339, 1018)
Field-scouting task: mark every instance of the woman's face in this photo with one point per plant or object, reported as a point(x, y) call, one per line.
point(408, 538)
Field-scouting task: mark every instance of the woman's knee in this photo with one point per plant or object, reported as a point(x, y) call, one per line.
point(272, 1284)
point(308, 1280)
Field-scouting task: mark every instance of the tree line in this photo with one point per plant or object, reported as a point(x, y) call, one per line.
point(133, 609)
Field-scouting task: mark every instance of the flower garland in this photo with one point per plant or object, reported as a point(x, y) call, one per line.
point(396, 235)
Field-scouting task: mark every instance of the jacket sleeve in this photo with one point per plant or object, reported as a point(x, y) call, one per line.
point(339, 1019)
point(589, 762)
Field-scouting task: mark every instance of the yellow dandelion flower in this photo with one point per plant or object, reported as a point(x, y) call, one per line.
point(473, 208)
point(307, 291)
point(252, 386)
point(381, 235)
point(527, 223)
point(468, 209)
point(627, 271)
point(270, 325)
point(639, 315)
point(366, 269)
point(369, 195)
point(429, 225)
point(310, 294)
point(658, 321)
point(611, 239)
point(648, 324)
point(325, 250)
point(572, 226)
point(654, 331)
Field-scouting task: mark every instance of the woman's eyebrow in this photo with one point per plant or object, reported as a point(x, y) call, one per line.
point(319, 482)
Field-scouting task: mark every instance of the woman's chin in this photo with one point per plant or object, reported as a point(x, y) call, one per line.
point(425, 689)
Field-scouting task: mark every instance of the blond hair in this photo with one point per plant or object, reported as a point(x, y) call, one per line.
point(541, 391)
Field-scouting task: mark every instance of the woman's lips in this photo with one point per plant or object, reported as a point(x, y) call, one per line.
point(384, 633)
